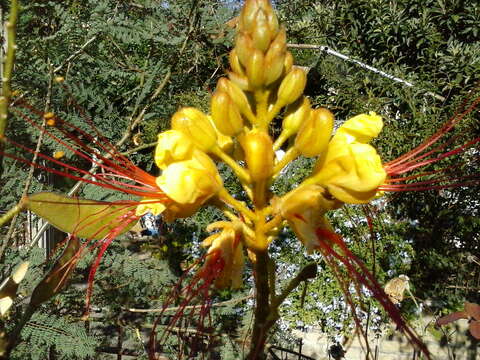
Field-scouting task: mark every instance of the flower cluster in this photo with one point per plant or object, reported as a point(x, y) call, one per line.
point(263, 81)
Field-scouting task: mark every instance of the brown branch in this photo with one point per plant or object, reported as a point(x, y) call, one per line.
point(219, 304)
point(75, 54)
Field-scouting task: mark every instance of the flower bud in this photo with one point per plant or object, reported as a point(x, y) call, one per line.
point(292, 86)
point(313, 137)
point(236, 95)
point(244, 47)
point(235, 63)
point(247, 16)
point(225, 114)
point(239, 80)
point(195, 124)
point(256, 68)
point(296, 114)
point(275, 58)
point(8, 289)
point(259, 155)
point(288, 63)
point(261, 34)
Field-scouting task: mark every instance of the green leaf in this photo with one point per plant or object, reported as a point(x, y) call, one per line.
point(84, 218)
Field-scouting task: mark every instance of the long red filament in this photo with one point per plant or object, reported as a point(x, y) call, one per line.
point(366, 279)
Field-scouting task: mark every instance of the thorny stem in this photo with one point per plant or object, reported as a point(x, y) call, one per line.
point(10, 26)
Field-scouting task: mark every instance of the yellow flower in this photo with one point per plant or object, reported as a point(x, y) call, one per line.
point(228, 246)
point(305, 208)
point(189, 177)
point(351, 170)
point(172, 146)
point(191, 181)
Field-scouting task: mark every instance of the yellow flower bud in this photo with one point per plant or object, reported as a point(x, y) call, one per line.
point(244, 47)
point(313, 136)
point(261, 34)
point(258, 149)
point(235, 63)
point(239, 80)
point(172, 146)
point(195, 124)
point(296, 114)
point(225, 114)
point(288, 63)
point(247, 15)
point(292, 86)
point(275, 58)
point(236, 95)
point(256, 68)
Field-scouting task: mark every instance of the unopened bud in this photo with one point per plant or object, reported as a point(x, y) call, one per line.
point(195, 124)
point(247, 15)
point(288, 62)
point(313, 137)
point(261, 34)
point(59, 79)
point(275, 58)
point(292, 86)
point(239, 80)
point(258, 149)
point(236, 95)
point(244, 47)
point(296, 114)
point(235, 63)
point(225, 114)
point(8, 289)
point(256, 68)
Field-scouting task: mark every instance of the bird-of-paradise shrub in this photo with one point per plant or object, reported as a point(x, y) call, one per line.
point(262, 85)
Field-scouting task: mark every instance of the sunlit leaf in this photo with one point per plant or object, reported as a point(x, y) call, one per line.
point(84, 218)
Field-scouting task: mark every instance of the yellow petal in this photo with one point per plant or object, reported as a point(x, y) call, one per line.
point(150, 205)
point(353, 173)
point(172, 146)
point(361, 128)
point(190, 181)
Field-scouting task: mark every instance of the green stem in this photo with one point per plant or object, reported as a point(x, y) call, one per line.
point(12, 212)
point(9, 61)
point(225, 196)
point(289, 156)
